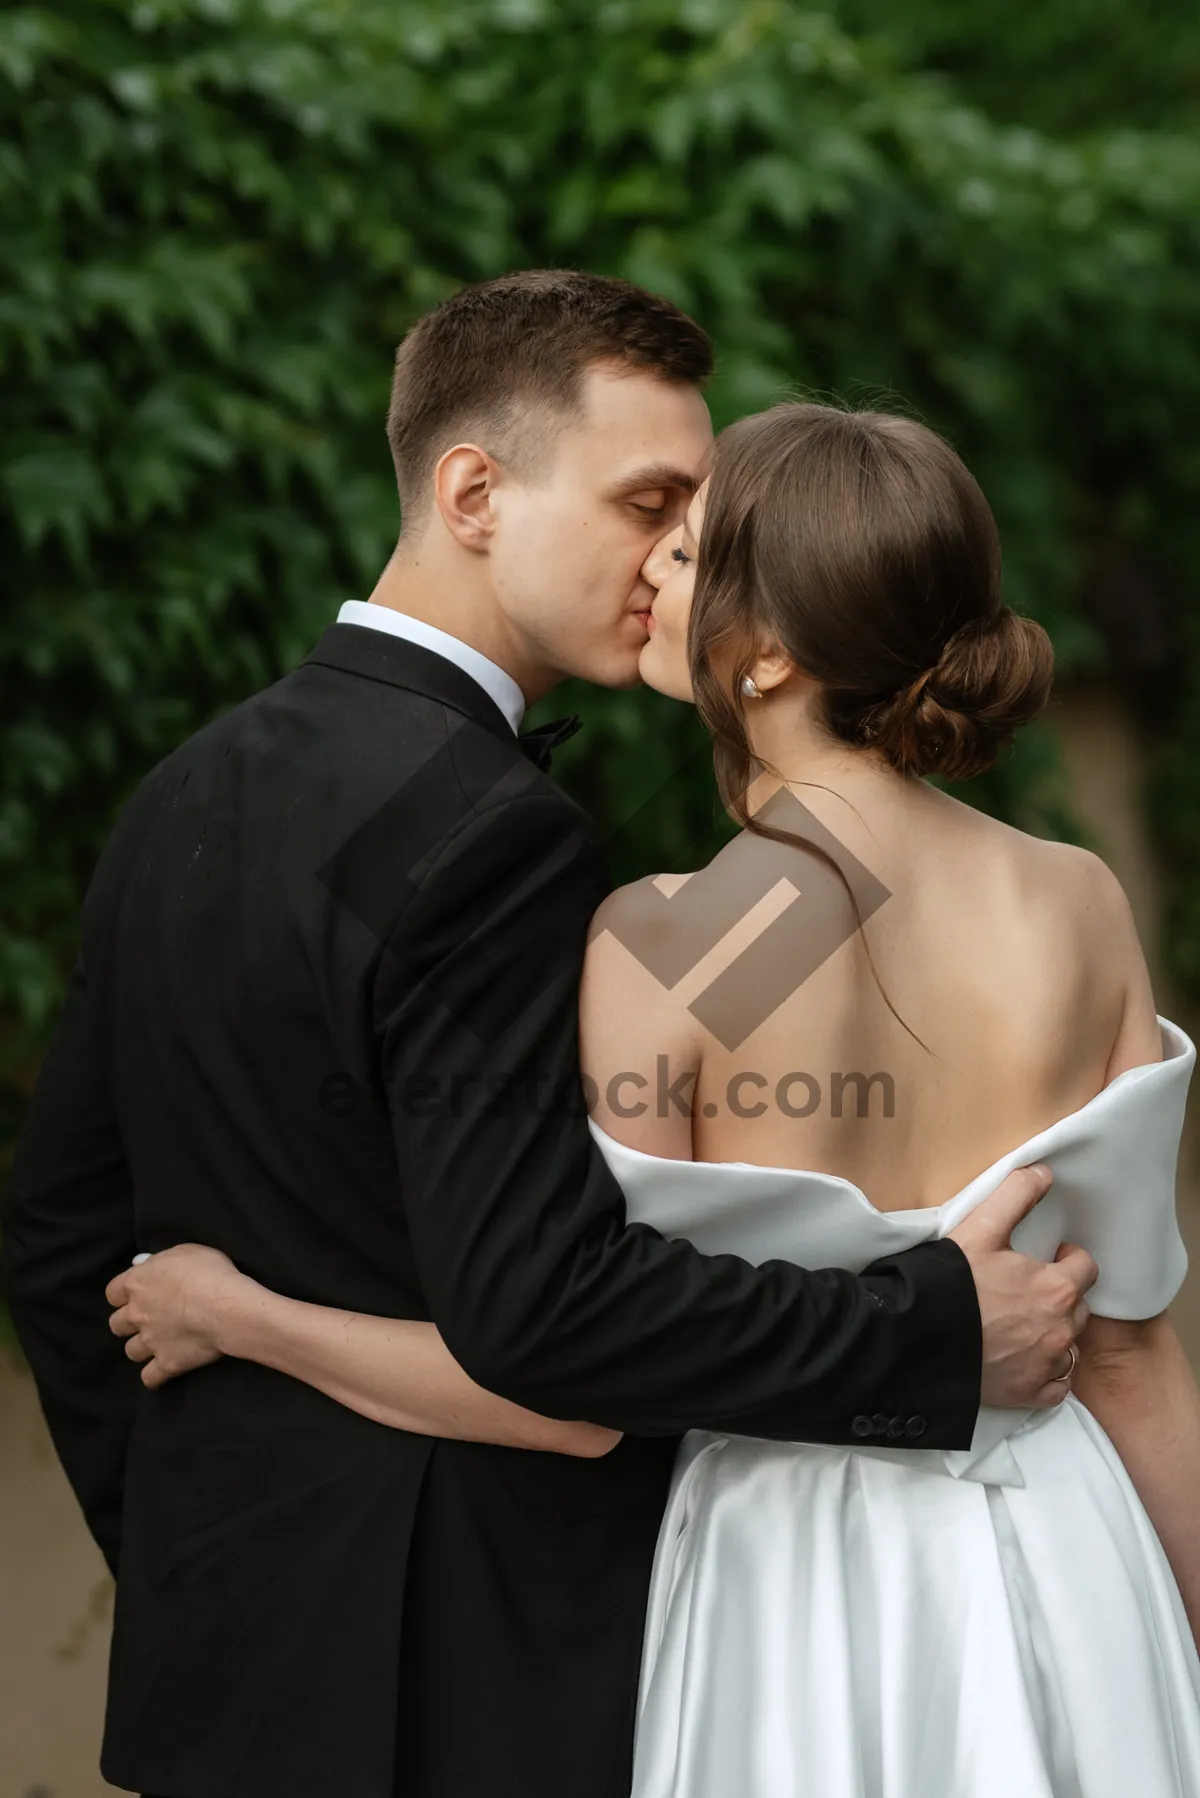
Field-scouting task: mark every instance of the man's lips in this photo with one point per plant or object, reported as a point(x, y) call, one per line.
point(646, 617)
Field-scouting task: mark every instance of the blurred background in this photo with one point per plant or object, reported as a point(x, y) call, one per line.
point(219, 216)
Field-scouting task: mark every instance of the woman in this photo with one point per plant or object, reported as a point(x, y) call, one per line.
point(904, 991)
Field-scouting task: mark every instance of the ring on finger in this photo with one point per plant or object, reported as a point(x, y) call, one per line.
point(1065, 1378)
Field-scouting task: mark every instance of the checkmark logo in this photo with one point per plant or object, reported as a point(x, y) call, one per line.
point(741, 936)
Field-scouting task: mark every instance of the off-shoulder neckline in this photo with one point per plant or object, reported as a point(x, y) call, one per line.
point(1178, 1048)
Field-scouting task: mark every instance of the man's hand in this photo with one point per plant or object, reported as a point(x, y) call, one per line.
point(1032, 1310)
point(170, 1309)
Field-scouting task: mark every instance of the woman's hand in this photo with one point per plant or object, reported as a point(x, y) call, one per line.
point(170, 1309)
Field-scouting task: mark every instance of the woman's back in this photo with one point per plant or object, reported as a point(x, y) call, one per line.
point(1013, 959)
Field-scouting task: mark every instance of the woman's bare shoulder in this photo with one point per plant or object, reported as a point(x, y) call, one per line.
point(1075, 874)
point(1091, 910)
point(1060, 896)
point(638, 898)
point(1077, 878)
point(634, 1025)
point(636, 950)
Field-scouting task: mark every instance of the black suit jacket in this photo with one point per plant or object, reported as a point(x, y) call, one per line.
point(324, 1018)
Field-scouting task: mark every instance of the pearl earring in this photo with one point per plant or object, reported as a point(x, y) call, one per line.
point(750, 687)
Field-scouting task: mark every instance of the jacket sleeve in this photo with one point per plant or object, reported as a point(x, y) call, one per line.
point(542, 1290)
point(68, 1228)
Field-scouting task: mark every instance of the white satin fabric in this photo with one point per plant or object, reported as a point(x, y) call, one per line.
point(869, 1622)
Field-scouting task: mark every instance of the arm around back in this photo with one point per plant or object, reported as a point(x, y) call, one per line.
point(541, 1289)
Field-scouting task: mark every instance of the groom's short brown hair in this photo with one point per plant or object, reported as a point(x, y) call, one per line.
point(506, 359)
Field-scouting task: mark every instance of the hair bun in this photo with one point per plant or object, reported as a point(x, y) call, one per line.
point(954, 719)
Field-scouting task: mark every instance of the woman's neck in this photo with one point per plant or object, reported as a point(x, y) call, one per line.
point(785, 737)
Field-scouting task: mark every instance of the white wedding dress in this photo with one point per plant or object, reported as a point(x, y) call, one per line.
point(883, 1622)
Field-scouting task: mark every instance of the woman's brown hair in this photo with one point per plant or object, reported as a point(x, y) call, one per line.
point(862, 547)
point(859, 546)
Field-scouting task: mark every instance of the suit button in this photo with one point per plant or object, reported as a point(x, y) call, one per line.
point(879, 1424)
point(915, 1426)
point(861, 1426)
point(896, 1427)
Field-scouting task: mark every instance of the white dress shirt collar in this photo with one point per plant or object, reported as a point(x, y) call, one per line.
point(496, 683)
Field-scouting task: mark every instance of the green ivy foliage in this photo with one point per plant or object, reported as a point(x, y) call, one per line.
point(220, 215)
point(1068, 66)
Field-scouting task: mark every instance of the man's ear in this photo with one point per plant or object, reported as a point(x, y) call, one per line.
point(463, 482)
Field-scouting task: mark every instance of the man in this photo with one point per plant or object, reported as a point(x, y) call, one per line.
point(324, 1019)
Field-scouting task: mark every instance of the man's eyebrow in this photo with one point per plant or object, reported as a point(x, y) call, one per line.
point(654, 475)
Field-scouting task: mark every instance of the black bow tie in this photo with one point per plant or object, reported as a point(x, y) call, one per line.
point(540, 744)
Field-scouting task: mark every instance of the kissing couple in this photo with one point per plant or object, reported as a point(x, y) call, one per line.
point(512, 1338)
